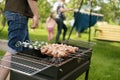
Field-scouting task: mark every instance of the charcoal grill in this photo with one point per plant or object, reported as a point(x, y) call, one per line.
point(32, 65)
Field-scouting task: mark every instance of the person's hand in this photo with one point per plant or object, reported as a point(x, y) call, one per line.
point(35, 22)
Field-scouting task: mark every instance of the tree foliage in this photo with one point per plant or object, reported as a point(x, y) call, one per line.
point(2, 18)
point(110, 10)
point(44, 9)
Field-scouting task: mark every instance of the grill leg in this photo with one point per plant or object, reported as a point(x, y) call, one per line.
point(87, 73)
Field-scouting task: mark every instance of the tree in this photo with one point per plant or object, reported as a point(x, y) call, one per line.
point(2, 18)
point(44, 9)
point(110, 10)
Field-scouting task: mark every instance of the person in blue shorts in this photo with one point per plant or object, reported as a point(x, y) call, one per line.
point(17, 13)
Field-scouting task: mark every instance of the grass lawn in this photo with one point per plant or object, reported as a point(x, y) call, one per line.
point(1, 53)
point(105, 63)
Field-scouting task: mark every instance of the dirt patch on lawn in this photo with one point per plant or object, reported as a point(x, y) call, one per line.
point(3, 45)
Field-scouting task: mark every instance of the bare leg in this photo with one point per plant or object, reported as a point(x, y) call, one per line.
point(4, 71)
point(48, 36)
point(52, 34)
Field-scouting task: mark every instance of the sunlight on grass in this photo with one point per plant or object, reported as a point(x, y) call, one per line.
point(3, 33)
point(1, 53)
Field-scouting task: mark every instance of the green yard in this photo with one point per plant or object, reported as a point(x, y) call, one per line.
point(105, 63)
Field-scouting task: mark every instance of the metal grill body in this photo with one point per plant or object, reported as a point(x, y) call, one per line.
point(68, 69)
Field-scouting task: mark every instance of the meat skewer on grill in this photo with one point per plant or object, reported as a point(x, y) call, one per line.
point(58, 50)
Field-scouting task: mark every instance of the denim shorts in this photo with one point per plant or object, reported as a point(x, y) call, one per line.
point(17, 31)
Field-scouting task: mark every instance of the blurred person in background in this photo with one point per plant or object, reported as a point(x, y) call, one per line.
point(50, 25)
point(60, 17)
point(17, 19)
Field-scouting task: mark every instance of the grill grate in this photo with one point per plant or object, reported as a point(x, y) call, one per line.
point(23, 64)
point(31, 65)
point(79, 43)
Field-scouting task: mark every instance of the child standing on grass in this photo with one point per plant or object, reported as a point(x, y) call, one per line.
point(50, 25)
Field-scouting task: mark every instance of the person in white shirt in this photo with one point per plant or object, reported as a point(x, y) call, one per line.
point(60, 17)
